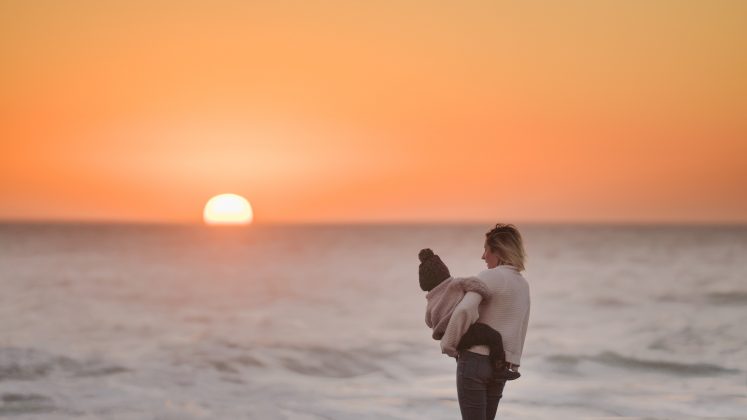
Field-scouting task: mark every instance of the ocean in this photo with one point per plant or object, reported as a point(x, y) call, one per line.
point(314, 322)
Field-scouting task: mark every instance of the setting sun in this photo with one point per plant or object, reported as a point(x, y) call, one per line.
point(228, 209)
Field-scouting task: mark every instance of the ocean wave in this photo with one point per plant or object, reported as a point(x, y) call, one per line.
point(17, 363)
point(711, 298)
point(613, 359)
point(609, 301)
point(16, 404)
point(727, 298)
point(230, 359)
point(329, 362)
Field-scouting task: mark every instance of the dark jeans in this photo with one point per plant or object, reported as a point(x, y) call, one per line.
point(478, 394)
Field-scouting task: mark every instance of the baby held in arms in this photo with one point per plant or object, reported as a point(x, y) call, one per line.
point(444, 293)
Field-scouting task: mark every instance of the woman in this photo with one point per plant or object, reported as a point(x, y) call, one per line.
point(506, 310)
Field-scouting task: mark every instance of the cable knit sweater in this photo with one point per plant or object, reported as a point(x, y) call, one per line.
point(506, 310)
point(443, 299)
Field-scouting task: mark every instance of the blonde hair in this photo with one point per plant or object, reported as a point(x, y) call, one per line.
point(505, 241)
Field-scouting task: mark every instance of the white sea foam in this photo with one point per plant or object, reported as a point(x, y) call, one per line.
point(326, 322)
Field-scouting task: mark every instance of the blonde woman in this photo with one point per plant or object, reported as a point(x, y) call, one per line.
point(506, 310)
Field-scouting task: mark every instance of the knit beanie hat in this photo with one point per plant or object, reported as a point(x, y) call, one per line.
point(432, 270)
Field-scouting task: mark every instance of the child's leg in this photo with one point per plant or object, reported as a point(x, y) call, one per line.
point(480, 333)
point(474, 335)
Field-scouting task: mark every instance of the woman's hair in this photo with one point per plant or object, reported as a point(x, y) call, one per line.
point(505, 241)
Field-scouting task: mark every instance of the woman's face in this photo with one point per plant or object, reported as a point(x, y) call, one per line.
point(490, 258)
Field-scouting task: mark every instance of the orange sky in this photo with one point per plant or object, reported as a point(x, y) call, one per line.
point(624, 111)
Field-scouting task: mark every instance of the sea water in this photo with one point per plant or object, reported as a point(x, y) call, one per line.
point(327, 322)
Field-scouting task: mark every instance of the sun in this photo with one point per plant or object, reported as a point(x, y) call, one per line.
point(228, 209)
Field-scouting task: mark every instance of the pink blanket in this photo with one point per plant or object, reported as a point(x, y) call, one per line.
point(443, 298)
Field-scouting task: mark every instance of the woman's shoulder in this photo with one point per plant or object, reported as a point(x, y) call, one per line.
point(500, 275)
point(496, 272)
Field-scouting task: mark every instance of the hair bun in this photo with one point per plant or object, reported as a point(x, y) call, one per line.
point(425, 254)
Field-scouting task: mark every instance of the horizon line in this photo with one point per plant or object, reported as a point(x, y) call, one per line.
point(620, 222)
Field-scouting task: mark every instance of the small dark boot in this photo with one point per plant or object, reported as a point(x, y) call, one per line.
point(501, 372)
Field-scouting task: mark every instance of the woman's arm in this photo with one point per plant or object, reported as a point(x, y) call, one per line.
point(464, 315)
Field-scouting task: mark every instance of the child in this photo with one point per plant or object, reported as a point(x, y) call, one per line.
point(444, 293)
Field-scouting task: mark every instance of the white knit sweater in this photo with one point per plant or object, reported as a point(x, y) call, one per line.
point(507, 311)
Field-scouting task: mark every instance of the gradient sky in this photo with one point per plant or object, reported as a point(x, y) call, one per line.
point(346, 111)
